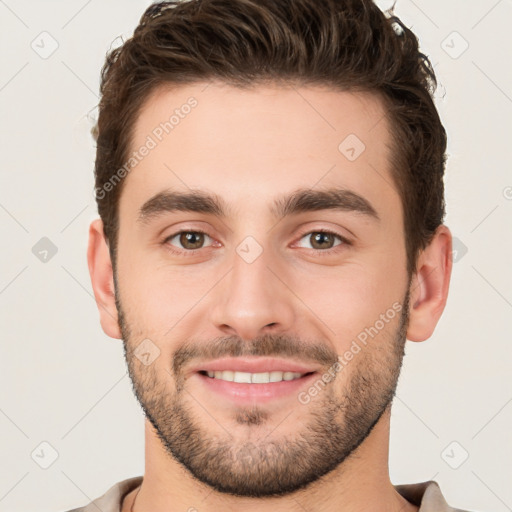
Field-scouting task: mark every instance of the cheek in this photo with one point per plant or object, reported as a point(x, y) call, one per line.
point(163, 297)
point(352, 297)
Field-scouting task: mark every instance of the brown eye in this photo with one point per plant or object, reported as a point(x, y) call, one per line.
point(323, 240)
point(189, 240)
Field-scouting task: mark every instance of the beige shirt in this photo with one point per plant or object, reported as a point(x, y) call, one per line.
point(427, 495)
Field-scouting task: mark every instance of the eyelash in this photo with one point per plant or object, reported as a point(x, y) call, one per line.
point(192, 252)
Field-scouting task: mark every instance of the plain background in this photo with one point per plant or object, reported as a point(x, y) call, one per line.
point(64, 383)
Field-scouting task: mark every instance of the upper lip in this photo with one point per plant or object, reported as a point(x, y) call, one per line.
point(253, 365)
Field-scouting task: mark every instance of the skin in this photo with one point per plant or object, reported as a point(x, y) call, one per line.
point(248, 147)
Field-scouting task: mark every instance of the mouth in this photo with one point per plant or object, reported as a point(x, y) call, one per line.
point(254, 366)
point(253, 378)
point(243, 388)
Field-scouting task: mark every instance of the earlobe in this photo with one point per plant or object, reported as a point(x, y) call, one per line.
point(430, 285)
point(102, 279)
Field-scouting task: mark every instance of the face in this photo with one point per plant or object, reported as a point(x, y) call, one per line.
point(283, 241)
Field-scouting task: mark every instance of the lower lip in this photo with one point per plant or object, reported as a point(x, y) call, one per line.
point(243, 392)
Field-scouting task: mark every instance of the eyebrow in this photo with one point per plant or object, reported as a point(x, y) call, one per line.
point(299, 201)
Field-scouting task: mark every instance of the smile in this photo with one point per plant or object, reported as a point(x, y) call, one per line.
point(253, 378)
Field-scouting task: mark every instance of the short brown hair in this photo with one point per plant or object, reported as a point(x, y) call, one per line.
point(344, 44)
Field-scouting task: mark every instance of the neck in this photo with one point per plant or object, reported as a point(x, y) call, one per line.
point(361, 482)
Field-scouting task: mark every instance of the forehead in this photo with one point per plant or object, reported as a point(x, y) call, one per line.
point(247, 145)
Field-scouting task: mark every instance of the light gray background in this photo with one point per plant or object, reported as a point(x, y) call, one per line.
point(64, 382)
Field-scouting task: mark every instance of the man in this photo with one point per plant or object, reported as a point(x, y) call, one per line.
point(269, 179)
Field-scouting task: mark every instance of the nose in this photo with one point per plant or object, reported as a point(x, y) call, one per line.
point(253, 300)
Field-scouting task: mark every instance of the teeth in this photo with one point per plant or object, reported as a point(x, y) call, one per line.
point(254, 378)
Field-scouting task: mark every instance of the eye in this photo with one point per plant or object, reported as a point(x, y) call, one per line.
point(189, 240)
point(324, 240)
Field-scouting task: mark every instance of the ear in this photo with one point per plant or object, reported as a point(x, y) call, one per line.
point(102, 278)
point(430, 285)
